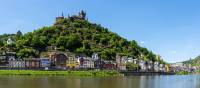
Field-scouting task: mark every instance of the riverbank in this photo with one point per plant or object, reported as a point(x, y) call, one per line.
point(60, 73)
point(183, 73)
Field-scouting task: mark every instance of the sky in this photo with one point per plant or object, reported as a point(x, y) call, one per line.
point(169, 28)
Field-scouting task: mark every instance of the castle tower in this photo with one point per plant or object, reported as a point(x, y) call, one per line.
point(82, 14)
point(60, 17)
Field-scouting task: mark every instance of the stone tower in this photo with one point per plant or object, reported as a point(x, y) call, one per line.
point(82, 14)
point(60, 17)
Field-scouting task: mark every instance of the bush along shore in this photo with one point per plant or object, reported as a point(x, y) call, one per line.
point(61, 73)
point(183, 73)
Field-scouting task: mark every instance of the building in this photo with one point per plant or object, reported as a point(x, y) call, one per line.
point(95, 56)
point(45, 63)
point(150, 65)
point(10, 41)
point(17, 64)
point(109, 65)
point(58, 59)
point(72, 63)
point(86, 63)
point(98, 64)
point(60, 18)
point(156, 66)
point(33, 63)
point(143, 65)
point(135, 61)
point(81, 16)
point(129, 60)
point(121, 64)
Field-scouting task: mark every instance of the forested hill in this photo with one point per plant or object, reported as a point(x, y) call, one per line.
point(193, 62)
point(76, 35)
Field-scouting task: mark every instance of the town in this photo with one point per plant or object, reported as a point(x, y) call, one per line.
point(57, 60)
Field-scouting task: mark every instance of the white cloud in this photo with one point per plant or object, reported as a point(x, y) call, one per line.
point(142, 42)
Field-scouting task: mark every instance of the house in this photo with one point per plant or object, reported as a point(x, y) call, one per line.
point(33, 63)
point(129, 60)
point(135, 61)
point(162, 67)
point(58, 60)
point(45, 63)
point(72, 63)
point(10, 56)
point(6, 57)
point(95, 56)
point(10, 41)
point(86, 63)
point(98, 64)
point(143, 65)
point(17, 63)
point(109, 65)
point(121, 64)
point(156, 66)
point(150, 65)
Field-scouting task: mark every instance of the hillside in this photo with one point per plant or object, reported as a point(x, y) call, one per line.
point(76, 35)
point(193, 62)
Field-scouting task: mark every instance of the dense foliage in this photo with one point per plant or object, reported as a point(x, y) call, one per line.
point(75, 36)
point(193, 62)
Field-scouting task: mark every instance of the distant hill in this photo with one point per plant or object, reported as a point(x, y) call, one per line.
point(75, 34)
point(193, 62)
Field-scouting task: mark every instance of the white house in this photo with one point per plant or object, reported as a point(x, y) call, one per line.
point(10, 41)
point(142, 65)
point(17, 64)
point(156, 66)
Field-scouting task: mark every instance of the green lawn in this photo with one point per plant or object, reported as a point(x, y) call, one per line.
point(64, 73)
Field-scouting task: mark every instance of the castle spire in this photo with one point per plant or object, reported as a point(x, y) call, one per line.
point(62, 14)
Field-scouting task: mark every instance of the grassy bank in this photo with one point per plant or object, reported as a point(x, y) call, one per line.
point(63, 73)
point(183, 73)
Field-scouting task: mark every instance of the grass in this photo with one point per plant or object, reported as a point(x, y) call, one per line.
point(60, 73)
point(183, 73)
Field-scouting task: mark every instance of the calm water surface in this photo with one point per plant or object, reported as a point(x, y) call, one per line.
point(191, 81)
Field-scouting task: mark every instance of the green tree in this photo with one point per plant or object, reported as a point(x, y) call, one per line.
point(27, 53)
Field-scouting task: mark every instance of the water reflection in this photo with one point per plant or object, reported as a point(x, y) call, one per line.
point(191, 81)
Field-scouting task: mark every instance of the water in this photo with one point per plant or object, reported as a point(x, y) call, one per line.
point(190, 81)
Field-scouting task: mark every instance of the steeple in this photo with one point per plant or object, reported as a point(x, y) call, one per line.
point(62, 14)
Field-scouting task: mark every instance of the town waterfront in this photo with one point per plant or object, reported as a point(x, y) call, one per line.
point(173, 81)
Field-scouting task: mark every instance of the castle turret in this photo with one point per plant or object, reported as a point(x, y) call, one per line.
point(82, 14)
point(60, 17)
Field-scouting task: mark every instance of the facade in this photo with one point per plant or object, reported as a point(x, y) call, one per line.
point(45, 63)
point(58, 59)
point(86, 62)
point(17, 64)
point(109, 65)
point(150, 65)
point(143, 65)
point(10, 41)
point(98, 64)
point(72, 63)
point(95, 56)
point(33, 63)
point(162, 67)
point(121, 64)
point(129, 60)
point(156, 66)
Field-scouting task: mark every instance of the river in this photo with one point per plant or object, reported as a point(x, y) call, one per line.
point(174, 81)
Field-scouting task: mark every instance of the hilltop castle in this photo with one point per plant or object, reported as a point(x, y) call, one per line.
point(81, 16)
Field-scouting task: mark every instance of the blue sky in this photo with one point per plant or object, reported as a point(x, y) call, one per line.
point(167, 27)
